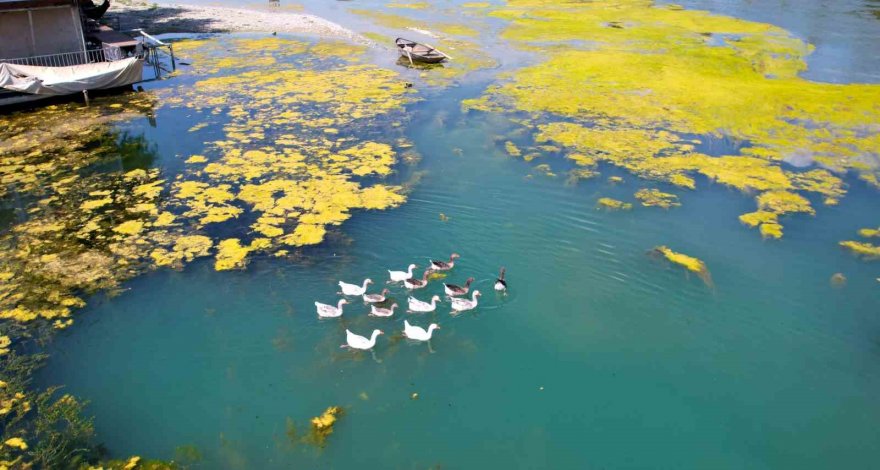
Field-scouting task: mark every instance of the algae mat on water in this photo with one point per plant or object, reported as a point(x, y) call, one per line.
point(300, 138)
point(640, 86)
point(301, 149)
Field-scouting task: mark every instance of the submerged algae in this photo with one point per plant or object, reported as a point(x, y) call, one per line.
point(274, 164)
point(631, 83)
point(694, 265)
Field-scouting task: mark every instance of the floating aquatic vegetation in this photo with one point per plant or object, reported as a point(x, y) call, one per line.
point(862, 249)
point(303, 145)
point(276, 163)
point(411, 6)
point(545, 170)
point(512, 149)
point(767, 222)
point(578, 174)
point(16, 442)
point(869, 232)
point(610, 204)
point(395, 21)
point(656, 198)
point(322, 426)
point(46, 147)
point(694, 265)
point(630, 83)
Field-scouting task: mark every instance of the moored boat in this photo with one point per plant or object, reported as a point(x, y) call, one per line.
point(417, 52)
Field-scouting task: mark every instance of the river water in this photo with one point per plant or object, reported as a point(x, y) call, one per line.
point(599, 356)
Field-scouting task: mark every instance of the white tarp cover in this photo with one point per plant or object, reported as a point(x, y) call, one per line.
point(71, 79)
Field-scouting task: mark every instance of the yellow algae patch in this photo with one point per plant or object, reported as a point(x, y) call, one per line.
point(132, 463)
point(237, 53)
point(391, 20)
point(197, 159)
point(411, 6)
point(784, 202)
point(512, 149)
point(305, 234)
point(131, 227)
point(95, 203)
point(17, 443)
point(694, 265)
point(4, 344)
point(613, 204)
point(322, 426)
point(768, 223)
point(230, 254)
point(656, 198)
point(631, 83)
point(367, 158)
point(869, 232)
point(863, 249)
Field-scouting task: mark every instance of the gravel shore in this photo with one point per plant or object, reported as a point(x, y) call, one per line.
point(182, 18)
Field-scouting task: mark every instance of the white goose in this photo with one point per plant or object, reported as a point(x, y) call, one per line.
point(418, 333)
point(382, 312)
point(461, 305)
point(359, 342)
point(400, 276)
point(376, 298)
point(329, 311)
point(416, 305)
point(413, 283)
point(354, 289)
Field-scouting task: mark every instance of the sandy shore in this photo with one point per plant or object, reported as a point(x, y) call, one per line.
point(182, 18)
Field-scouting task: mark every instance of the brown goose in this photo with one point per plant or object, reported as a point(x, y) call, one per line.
point(452, 290)
point(413, 283)
point(437, 265)
point(376, 298)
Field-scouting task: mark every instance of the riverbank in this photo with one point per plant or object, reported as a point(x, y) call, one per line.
point(182, 18)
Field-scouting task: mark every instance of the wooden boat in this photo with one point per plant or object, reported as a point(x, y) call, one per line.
point(417, 52)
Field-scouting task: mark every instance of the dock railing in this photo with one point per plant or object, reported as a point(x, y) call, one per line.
point(157, 54)
point(62, 59)
point(154, 50)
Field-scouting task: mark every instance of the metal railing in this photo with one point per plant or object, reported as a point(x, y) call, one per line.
point(154, 52)
point(63, 59)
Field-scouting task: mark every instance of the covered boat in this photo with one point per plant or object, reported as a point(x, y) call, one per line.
point(37, 80)
point(417, 52)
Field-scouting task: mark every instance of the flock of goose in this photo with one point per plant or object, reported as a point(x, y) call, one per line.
point(455, 292)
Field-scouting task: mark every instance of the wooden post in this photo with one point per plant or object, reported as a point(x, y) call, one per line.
point(86, 96)
point(409, 57)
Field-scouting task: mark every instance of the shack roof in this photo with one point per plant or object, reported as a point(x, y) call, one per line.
point(7, 5)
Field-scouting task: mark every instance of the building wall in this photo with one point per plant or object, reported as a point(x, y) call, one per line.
point(46, 31)
point(15, 35)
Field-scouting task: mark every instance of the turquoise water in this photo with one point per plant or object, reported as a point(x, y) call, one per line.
point(599, 356)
